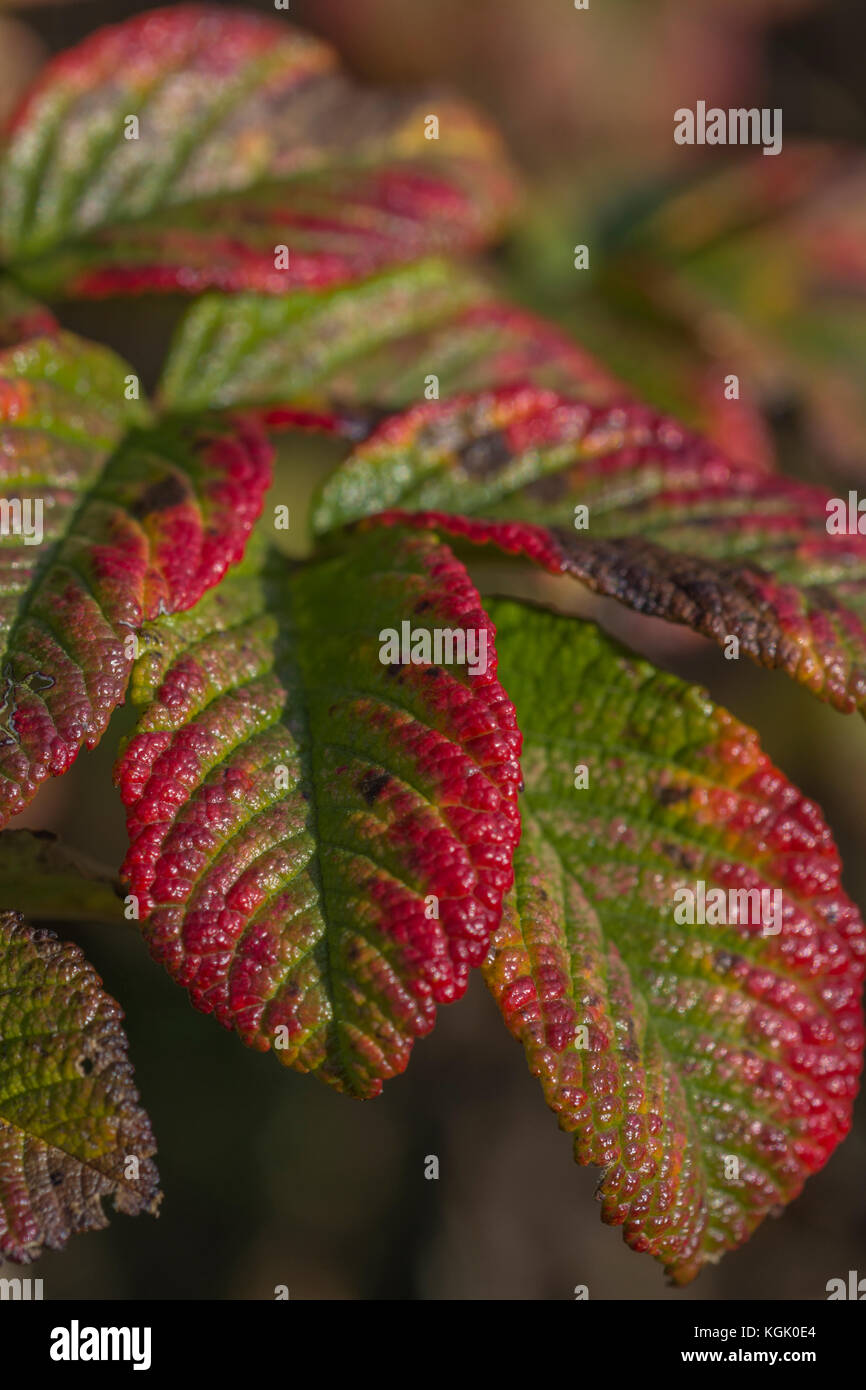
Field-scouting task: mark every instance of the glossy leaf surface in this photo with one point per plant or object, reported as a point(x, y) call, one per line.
point(385, 343)
point(182, 149)
point(72, 1131)
point(705, 1059)
point(321, 834)
point(106, 521)
point(634, 505)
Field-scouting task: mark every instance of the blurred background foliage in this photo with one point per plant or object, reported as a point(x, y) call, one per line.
point(700, 266)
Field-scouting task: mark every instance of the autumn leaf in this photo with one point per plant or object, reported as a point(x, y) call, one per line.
point(182, 149)
point(72, 1131)
point(321, 830)
point(384, 343)
point(707, 1069)
point(636, 507)
point(111, 519)
point(772, 260)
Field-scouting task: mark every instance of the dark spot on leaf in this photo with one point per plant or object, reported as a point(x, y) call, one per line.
point(169, 492)
point(669, 796)
point(629, 1047)
point(683, 858)
point(486, 456)
point(372, 784)
point(359, 422)
point(552, 488)
point(727, 961)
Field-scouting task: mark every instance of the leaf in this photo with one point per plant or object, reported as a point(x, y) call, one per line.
point(50, 881)
point(70, 1119)
point(674, 529)
point(134, 521)
point(376, 343)
point(432, 329)
point(249, 139)
point(254, 348)
point(703, 1043)
point(773, 259)
point(298, 811)
point(665, 367)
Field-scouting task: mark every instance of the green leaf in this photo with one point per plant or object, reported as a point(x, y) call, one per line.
point(321, 832)
point(72, 1131)
point(706, 1069)
point(51, 882)
point(383, 342)
point(256, 349)
point(533, 455)
point(106, 522)
point(636, 507)
point(248, 139)
point(773, 259)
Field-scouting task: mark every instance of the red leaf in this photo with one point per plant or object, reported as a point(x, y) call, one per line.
point(133, 527)
point(249, 139)
point(706, 1059)
point(674, 529)
point(298, 804)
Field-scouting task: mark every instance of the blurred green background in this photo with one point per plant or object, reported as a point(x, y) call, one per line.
point(269, 1178)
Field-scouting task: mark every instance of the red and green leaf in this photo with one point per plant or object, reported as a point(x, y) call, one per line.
point(249, 138)
point(675, 530)
point(72, 1131)
point(665, 367)
point(136, 521)
point(769, 253)
point(375, 344)
point(320, 841)
point(706, 1069)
